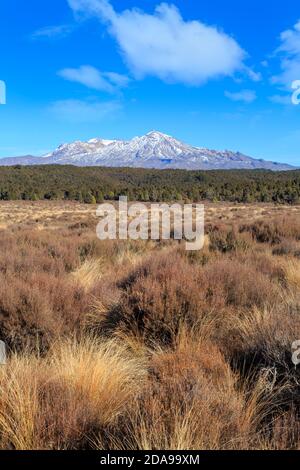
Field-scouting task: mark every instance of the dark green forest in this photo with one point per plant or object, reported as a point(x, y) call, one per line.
point(95, 184)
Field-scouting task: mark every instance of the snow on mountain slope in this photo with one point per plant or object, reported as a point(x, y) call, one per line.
point(153, 150)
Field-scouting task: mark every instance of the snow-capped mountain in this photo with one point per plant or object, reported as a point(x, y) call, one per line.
point(153, 150)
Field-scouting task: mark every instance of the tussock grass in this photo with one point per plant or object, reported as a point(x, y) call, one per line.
point(60, 401)
point(291, 269)
point(88, 273)
point(19, 403)
point(126, 345)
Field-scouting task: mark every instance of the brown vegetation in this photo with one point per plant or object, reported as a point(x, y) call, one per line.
point(126, 345)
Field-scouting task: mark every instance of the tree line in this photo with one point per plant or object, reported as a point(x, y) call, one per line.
point(95, 184)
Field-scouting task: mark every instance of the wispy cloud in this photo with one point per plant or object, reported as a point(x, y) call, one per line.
point(53, 32)
point(245, 96)
point(281, 99)
point(166, 46)
point(254, 76)
point(289, 52)
point(80, 111)
point(91, 77)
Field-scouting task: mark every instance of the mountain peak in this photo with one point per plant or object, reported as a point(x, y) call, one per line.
point(158, 134)
point(153, 150)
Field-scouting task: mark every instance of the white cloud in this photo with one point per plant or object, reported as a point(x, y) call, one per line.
point(281, 99)
point(289, 50)
point(163, 45)
point(254, 76)
point(53, 32)
point(91, 77)
point(79, 111)
point(117, 79)
point(246, 96)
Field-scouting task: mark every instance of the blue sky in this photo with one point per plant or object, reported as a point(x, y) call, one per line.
point(213, 73)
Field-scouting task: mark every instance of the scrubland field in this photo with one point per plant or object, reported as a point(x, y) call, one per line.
point(143, 345)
